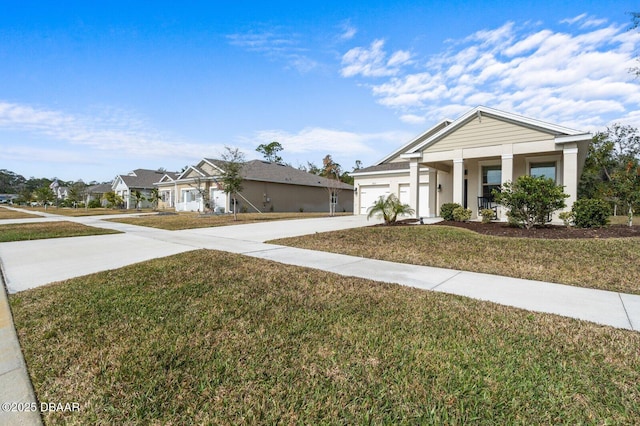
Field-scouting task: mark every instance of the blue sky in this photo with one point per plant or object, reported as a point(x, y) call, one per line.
point(89, 90)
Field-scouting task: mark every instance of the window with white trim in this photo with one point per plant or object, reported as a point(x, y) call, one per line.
point(546, 169)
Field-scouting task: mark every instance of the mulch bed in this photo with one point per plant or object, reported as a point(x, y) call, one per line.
point(549, 232)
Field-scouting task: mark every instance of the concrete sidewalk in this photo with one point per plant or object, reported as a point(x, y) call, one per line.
point(29, 264)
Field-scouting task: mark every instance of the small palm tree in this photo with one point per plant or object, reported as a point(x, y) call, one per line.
point(389, 209)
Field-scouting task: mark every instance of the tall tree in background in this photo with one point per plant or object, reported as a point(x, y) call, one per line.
point(270, 151)
point(232, 162)
point(609, 152)
point(635, 23)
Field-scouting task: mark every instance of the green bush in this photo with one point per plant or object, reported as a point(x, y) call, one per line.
point(531, 200)
point(487, 215)
point(566, 217)
point(460, 214)
point(591, 213)
point(446, 210)
point(94, 204)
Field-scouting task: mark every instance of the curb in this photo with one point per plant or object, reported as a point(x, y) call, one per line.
point(18, 404)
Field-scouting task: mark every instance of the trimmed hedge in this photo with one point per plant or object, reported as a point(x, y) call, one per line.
point(446, 210)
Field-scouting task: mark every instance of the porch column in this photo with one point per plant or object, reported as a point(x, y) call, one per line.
point(458, 181)
point(433, 192)
point(414, 185)
point(570, 173)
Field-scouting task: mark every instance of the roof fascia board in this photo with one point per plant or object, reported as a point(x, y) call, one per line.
point(386, 172)
point(574, 138)
point(406, 146)
point(482, 110)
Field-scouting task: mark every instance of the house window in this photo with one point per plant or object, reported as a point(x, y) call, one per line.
point(546, 169)
point(491, 179)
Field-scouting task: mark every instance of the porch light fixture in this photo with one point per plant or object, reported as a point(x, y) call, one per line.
point(439, 188)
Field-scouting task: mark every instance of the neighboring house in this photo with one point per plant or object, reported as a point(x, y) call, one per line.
point(462, 161)
point(96, 192)
point(266, 187)
point(142, 180)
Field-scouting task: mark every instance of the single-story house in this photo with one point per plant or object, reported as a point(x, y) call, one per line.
point(142, 180)
point(267, 187)
point(96, 192)
point(463, 160)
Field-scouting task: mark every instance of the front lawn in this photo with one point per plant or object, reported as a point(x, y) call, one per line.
point(42, 230)
point(607, 264)
point(213, 338)
point(190, 220)
point(12, 214)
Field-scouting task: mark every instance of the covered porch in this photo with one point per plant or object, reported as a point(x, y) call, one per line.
point(468, 176)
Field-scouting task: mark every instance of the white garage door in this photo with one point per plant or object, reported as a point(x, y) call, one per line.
point(370, 194)
point(424, 197)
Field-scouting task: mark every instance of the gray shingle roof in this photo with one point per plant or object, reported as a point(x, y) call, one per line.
point(403, 165)
point(143, 178)
point(279, 173)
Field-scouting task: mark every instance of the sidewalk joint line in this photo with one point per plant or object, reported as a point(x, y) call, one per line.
point(626, 312)
point(443, 282)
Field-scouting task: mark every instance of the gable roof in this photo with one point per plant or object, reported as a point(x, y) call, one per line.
point(562, 134)
point(386, 167)
point(413, 142)
point(264, 171)
point(143, 178)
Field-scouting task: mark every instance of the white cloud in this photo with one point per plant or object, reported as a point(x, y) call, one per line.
point(578, 78)
point(110, 132)
point(277, 45)
point(348, 31)
point(372, 61)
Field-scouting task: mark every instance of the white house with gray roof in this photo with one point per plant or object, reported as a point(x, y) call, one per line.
point(142, 180)
point(463, 160)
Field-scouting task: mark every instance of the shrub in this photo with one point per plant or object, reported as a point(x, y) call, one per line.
point(460, 214)
point(446, 210)
point(94, 204)
point(591, 213)
point(531, 200)
point(487, 215)
point(566, 217)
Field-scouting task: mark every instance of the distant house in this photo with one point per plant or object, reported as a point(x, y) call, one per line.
point(96, 192)
point(266, 187)
point(463, 161)
point(138, 180)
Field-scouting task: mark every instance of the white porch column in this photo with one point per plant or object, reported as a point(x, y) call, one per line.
point(570, 173)
point(506, 174)
point(433, 192)
point(414, 185)
point(458, 181)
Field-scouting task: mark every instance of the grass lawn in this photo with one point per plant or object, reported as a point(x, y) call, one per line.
point(607, 264)
point(12, 214)
point(42, 230)
point(216, 338)
point(68, 211)
point(624, 220)
point(190, 220)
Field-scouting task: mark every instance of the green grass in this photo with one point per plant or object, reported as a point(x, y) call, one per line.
point(214, 338)
point(607, 264)
point(190, 220)
point(42, 230)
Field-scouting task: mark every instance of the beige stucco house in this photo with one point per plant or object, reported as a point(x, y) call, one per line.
point(463, 160)
point(267, 187)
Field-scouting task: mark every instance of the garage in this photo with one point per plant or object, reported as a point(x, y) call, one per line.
point(423, 201)
point(369, 194)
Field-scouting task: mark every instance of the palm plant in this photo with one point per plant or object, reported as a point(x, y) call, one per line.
point(389, 208)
